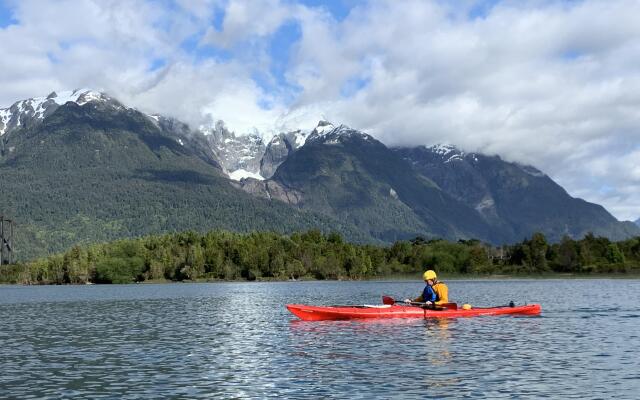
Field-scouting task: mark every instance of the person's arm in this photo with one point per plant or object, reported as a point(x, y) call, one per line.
point(427, 296)
point(430, 295)
point(417, 299)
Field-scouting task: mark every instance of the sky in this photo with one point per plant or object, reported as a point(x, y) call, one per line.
point(554, 84)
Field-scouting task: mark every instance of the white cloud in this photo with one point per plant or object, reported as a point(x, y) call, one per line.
point(112, 46)
point(248, 18)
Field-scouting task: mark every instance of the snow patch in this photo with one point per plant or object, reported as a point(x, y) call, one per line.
point(36, 107)
point(300, 139)
point(443, 149)
point(323, 128)
point(89, 96)
point(5, 116)
point(78, 96)
point(329, 134)
point(240, 174)
point(487, 202)
point(455, 157)
point(532, 171)
point(451, 153)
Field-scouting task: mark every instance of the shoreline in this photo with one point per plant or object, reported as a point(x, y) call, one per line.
point(390, 278)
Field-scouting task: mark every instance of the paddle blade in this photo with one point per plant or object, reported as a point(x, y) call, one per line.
point(388, 300)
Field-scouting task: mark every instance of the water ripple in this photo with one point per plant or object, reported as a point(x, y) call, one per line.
point(237, 341)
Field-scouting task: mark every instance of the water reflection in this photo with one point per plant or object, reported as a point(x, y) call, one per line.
point(438, 340)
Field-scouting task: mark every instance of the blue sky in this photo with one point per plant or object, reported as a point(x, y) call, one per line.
point(5, 15)
point(551, 83)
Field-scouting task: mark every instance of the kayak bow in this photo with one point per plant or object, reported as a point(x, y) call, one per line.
point(320, 313)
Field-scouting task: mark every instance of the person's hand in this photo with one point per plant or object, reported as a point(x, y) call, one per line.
point(407, 301)
point(428, 303)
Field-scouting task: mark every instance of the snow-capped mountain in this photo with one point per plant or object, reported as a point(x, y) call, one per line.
point(248, 156)
point(239, 155)
point(447, 153)
point(327, 133)
point(334, 170)
point(24, 113)
point(278, 149)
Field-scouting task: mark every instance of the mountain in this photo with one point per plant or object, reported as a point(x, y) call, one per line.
point(638, 222)
point(247, 156)
point(434, 191)
point(95, 171)
point(279, 149)
point(26, 113)
point(355, 178)
point(82, 167)
point(515, 199)
point(238, 156)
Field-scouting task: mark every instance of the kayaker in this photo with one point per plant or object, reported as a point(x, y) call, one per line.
point(435, 292)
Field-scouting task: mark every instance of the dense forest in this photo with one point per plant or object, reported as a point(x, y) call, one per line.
point(221, 255)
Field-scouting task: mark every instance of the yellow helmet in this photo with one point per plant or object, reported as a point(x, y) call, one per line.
point(430, 274)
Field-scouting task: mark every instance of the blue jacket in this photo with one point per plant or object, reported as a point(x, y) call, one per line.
point(428, 294)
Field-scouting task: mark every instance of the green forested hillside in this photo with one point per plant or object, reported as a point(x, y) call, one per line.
point(93, 173)
point(223, 255)
point(359, 180)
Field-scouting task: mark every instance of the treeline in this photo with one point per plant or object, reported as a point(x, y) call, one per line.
point(221, 255)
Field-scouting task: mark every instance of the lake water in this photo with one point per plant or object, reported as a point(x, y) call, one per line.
point(237, 340)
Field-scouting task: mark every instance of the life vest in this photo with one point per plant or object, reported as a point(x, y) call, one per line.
point(441, 291)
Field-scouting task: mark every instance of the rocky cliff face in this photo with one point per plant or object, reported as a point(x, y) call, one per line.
point(275, 154)
point(270, 190)
point(279, 149)
point(233, 152)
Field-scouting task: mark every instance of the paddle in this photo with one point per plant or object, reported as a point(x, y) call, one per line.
point(392, 301)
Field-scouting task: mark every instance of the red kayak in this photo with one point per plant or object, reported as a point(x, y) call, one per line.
point(320, 313)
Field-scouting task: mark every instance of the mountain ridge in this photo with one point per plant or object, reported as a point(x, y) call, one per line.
point(515, 197)
point(89, 173)
point(334, 175)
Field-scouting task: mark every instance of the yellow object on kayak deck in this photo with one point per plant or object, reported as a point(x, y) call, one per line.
point(466, 306)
